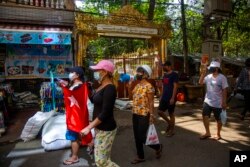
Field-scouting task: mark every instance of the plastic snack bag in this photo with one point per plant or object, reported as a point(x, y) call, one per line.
point(152, 137)
point(223, 116)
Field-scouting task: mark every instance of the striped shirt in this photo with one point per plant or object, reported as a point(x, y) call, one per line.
point(244, 79)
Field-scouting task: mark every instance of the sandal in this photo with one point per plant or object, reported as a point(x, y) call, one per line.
point(167, 129)
point(70, 162)
point(203, 137)
point(137, 160)
point(159, 152)
point(216, 138)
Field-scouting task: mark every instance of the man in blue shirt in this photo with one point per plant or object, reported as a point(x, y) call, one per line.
point(168, 97)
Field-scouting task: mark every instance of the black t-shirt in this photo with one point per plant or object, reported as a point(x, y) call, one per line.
point(104, 101)
point(168, 85)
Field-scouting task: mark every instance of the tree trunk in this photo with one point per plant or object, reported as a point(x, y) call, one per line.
point(184, 31)
point(151, 10)
point(125, 2)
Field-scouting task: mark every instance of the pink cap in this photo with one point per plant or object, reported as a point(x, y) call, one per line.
point(104, 65)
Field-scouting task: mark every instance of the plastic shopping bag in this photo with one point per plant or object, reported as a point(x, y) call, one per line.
point(223, 117)
point(152, 137)
point(90, 107)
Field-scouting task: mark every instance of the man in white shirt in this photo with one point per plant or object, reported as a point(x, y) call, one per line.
point(215, 98)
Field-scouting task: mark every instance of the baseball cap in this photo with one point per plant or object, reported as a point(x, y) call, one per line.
point(214, 64)
point(167, 63)
point(104, 65)
point(76, 69)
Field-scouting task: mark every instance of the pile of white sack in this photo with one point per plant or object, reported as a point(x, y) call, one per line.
point(53, 127)
point(25, 100)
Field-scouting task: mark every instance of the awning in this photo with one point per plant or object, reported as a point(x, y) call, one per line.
point(25, 34)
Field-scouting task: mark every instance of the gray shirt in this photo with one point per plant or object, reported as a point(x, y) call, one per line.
point(214, 88)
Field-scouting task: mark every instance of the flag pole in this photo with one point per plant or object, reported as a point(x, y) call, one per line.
point(52, 83)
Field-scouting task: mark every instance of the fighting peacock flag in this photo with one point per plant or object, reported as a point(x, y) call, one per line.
point(77, 115)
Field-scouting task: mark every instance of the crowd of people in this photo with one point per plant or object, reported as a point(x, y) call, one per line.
point(143, 112)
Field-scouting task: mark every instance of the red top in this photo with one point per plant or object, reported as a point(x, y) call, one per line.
point(77, 116)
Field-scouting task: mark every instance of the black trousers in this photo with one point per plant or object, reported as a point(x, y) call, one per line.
point(247, 102)
point(140, 126)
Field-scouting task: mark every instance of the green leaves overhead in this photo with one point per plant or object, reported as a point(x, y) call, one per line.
point(234, 31)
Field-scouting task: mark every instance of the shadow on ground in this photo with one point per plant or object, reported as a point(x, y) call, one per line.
point(183, 149)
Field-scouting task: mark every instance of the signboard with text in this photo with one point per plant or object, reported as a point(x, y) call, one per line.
point(15, 37)
point(36, 61)
point(127, 29)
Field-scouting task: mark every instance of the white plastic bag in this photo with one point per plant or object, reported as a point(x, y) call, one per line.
point(90, 109)
point(223, 117)
point(152, 137)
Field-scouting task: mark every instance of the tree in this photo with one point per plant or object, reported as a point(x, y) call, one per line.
point(236, 31)
point(151, 10)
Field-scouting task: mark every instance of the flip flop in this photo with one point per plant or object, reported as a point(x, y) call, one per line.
point(136, 161)
point(203, 137)
point(216, 138)
point(167, 129)
point(70, 162)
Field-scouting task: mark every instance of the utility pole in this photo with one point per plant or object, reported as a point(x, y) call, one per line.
point(184, 31)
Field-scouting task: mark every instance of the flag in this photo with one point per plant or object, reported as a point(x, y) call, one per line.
point(77, 115)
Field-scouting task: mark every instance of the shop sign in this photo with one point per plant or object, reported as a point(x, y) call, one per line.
point(37, 61)
point(15, 37)
point(127, 29)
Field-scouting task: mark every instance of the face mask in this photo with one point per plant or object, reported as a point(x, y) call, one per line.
point(139, 77)
point(97, 76)
point(212, 69)
point(72, 76)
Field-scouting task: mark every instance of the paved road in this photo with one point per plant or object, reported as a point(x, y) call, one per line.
point(183, 149)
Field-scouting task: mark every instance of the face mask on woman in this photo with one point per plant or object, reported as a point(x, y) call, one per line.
point(139, 77)
point(72, 76)
point(97, 76)
point(212, 69)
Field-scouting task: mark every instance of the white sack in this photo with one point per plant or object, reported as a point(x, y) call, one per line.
point(53, 134)
point(34, 124)
point(122, 105)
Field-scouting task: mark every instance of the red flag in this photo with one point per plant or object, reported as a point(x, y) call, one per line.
point(77, 115)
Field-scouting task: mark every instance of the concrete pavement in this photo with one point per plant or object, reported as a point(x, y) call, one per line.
point(183, 149)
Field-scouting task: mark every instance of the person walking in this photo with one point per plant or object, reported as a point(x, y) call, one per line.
point(168, 97)
point(244, 83)
point(75, 98)
point(143, 112)
point(215, 98)
point(104, 122)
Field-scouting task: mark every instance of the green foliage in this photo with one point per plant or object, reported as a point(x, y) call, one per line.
point(235, 31)
point(236, 41)
point(108, 47)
